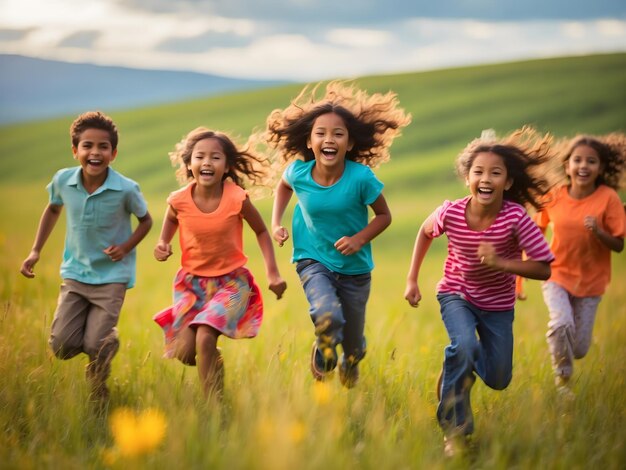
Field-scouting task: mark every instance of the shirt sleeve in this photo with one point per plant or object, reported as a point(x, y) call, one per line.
point(136, 203)
point(532, 241)
point(371, 187)
point(439, 218)
point(54, 195)
point(614, 219)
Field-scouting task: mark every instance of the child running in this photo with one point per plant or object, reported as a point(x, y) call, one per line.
point(99, 256)
point(331, 144)
point(487, 231)
point(588, 223)
point(214, 293)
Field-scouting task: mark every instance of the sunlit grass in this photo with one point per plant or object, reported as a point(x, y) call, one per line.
point(274, 416)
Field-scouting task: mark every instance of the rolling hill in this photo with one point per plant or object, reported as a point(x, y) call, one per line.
point(563, 96)
point(39, 89)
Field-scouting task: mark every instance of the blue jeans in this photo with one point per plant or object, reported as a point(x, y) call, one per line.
point(337, 307)
point(490, 356)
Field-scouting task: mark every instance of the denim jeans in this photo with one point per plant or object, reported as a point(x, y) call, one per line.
point(490, 356)
point(337, 307)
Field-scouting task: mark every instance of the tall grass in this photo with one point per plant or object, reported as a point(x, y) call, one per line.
point(273, 414)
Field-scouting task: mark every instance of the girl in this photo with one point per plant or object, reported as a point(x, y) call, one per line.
point(587, 219)
point(487, 232)
point(214, 293)
point(331, 145)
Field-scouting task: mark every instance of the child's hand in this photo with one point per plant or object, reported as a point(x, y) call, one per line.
point(281, 235)
point(115, 252)
point(412, 294)
point(487, 254)
point(278, 286)
point(348, 245)
point(162, 251)
point(591, 224)
point(29, 264)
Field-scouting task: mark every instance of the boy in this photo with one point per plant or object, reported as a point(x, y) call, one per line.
point(99, 257)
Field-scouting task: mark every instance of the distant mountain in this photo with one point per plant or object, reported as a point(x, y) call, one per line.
point(38, 89)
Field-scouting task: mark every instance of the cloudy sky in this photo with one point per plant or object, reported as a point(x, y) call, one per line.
point(308, 39)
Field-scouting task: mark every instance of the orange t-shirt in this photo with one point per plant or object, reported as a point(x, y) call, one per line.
point(582, 262)
point(211, 243)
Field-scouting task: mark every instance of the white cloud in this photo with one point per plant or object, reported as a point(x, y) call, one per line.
point(273, 50)
point(353, 37)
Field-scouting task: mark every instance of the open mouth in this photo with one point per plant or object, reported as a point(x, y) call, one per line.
point(485, 191)
point(206, 173)
point(94, 162)
point(329, 152)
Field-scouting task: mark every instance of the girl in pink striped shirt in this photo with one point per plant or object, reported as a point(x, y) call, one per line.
point(487, 232)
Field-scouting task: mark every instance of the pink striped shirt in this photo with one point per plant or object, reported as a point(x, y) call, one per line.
point(511, 232)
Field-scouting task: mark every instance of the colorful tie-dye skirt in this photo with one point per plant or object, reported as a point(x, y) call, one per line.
point(231, 304)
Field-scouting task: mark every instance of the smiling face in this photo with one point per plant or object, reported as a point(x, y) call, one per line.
point(488, 179)
point(94, 152)
point(208, 162)
point(583, 167)
point(329, 141)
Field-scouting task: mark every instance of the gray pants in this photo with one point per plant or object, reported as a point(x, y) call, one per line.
point(570, 327)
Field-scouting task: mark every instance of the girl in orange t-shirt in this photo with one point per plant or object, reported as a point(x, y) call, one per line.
point(588, 222)
point(214, 293)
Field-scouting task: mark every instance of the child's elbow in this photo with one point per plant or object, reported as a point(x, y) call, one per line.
point(545, 272)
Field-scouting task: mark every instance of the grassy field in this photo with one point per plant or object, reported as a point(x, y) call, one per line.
point(274, 416)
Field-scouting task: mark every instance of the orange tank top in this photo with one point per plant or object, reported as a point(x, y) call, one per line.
point(211, 243)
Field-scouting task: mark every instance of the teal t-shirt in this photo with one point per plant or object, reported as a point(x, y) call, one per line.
point(324, 214)
point(95, 222)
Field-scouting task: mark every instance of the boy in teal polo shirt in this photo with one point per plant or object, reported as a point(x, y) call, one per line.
point(99, 256)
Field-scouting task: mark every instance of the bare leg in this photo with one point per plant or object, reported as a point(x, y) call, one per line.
point(210, 364)
point(185, 350)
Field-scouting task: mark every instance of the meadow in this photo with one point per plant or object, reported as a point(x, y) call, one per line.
point(273, 415)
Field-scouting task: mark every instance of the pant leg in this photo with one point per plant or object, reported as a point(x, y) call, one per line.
point(585, 309)
point(454, 411)
point(561, 328)
point(101, 341)
point(106, 303)
point(68, 326)
point(495, 361)
point(353, 293)
point(325, 308)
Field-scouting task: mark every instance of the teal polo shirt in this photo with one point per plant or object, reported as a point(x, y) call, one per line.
point(95, 222)
point(324, 214)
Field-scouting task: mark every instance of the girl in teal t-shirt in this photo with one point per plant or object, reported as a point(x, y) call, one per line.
point(331, 145)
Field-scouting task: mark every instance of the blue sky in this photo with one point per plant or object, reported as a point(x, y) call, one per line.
point(308, 39)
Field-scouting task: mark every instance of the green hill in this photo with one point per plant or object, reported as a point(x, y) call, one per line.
point(449, 107)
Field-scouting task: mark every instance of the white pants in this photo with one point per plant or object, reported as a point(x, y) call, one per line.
point(570, 327)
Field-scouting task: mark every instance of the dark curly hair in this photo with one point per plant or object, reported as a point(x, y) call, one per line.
point(525, 154)
point(243, 164)
point(611, 150)
point(93, 120)
point(372, 121)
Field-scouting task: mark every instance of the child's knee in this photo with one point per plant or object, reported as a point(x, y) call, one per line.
point(63, 348)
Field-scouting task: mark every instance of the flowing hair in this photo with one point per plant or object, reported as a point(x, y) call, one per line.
point(526, 155)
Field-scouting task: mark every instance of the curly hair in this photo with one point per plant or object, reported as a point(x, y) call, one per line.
point(372, 121)
point(243, 164)
point(611, 150)
point(93, 120)
point(525, 154)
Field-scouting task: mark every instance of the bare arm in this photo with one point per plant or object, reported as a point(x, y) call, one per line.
point(282, 198)
point(422, 244)
point(527, 268)
point(163, 249)
point(250, 213)
point(382, 220)
point(118, 252)
point(48, 220)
